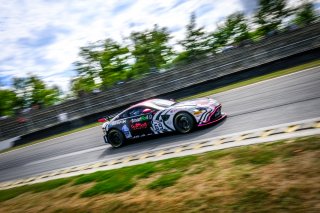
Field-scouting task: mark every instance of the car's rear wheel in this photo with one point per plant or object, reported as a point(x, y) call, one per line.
point(116, 138)
point(184, 122)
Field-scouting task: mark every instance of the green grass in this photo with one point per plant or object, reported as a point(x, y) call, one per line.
point(165, 181)
point(38, 187)
point(255, 80)
point(251, 200)
point(248, 155)
point(114, 184)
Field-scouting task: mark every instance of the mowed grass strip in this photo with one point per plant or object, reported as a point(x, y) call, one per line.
point(280, 176)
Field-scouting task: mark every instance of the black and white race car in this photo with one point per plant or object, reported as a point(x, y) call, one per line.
point(158, 116)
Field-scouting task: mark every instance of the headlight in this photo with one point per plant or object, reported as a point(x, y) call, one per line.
point(198, 111)
point(215, 103)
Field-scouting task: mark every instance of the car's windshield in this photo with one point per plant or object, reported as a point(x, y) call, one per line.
point(163, 103)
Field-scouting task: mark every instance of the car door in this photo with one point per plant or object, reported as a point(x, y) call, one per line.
point(140, 123)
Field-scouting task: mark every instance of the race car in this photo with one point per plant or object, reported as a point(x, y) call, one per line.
point(158, 116)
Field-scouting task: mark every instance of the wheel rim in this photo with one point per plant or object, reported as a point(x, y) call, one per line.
point(115, 139)
point(184, 123)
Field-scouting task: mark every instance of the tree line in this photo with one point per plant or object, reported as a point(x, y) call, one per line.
point(102, 64)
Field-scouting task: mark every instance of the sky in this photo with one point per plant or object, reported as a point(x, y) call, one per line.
point(42, 37)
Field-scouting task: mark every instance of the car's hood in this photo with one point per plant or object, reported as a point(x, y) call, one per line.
point(197, 102)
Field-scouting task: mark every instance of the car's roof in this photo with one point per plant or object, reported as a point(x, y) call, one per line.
point(155, 103)
point(148, 103)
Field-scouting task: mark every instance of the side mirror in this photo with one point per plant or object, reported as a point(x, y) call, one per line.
point(147, 111)
point(102, 120)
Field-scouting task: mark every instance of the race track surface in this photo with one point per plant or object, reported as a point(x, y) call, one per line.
point(286, 99)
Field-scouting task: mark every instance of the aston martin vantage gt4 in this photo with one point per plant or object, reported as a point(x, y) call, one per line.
point(158, 116)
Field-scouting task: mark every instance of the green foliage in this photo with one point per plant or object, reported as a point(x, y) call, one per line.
point(82, 85)
point(113, 62)
point(195, 43)
point(165, 181)
point(151, 50)
point(234, 30)
point(305, 15)
point(32, 91)
point(270, 15)
point(104, 60)
point(8, 100)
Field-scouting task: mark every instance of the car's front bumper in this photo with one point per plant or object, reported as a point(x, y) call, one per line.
point(105, 138)
point(214, 117)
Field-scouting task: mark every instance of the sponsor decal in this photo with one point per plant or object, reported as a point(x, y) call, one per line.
point(122, 121)
point(137, 126)
point(126, 131)
point(141, 119)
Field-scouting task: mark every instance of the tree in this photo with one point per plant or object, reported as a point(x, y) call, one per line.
point(106, 61)
point(305, 15)
point(82, 85)
point(151, 49)
point(114, 62)
point(8, 100)
point(234, 30)
point(195, 43)
point(87, 68)
point(270, 15)
point(33, 91)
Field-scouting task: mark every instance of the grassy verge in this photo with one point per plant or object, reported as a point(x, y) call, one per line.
point(204, 94)
point(256, 79)
point(283, 176)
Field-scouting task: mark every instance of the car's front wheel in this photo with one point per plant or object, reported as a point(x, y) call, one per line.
point(184, 122)
point(116, 138)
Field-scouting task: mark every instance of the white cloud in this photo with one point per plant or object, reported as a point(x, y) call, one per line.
point(43, 36)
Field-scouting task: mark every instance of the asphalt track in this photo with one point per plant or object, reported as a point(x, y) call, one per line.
point(286, 99)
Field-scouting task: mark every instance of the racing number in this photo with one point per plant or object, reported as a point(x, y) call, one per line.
point(158, 127)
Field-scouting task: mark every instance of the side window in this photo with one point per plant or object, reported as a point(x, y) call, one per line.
point(135, 111)
point(123, 115)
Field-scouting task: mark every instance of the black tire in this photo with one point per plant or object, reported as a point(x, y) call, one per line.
point(116, 138)
point(184, 122)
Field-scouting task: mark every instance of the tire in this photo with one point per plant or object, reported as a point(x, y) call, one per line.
point(115, 138)
point(184, 122)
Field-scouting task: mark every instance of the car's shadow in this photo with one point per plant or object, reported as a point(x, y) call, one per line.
point(152, 142)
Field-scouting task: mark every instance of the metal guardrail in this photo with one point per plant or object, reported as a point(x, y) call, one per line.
point(262, 135)
point(265, 51)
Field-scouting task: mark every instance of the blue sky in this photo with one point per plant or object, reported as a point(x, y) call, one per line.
point(43, 37)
